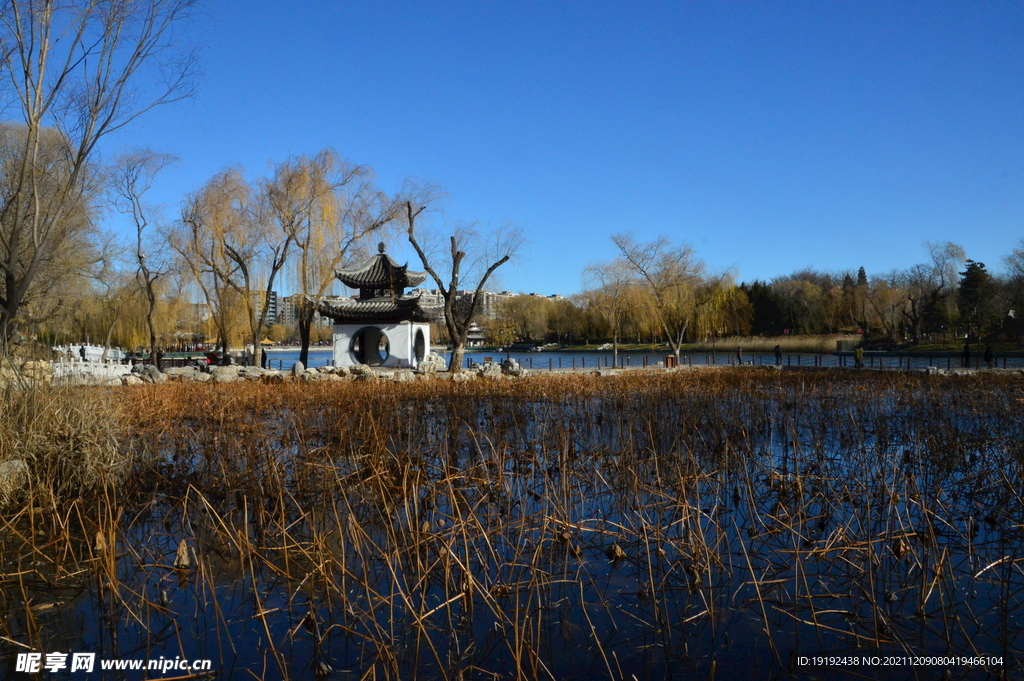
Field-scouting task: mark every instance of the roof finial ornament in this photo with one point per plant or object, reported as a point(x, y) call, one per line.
point(380, 247)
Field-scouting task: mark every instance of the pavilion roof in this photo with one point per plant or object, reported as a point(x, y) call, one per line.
point(381, 272)
point(407, 308)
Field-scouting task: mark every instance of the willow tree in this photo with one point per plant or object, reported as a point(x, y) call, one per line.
point(524, 317)
point(218, 248)
point(612, 293)
point(720, 307)
point(84, 68)
point(329, 209)
point(672, 275)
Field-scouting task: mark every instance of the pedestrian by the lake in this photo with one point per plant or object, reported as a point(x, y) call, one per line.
point(989, 357)
point(81, 352)
point(778, 355)
point(858, 357)
point(739, 355)
point(967, 355)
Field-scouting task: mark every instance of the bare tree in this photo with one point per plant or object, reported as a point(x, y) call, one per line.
point(1015, 278)
point(34, 274)
point(492, 251)
point(82, 67)
point(131, 177)
point(672, 275)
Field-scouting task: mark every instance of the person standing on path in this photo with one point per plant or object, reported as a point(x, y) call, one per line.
point(989, 357)
point(81, 352)
point(778, 355)
point(739, 355)
point(967, 355)
point(858, 357)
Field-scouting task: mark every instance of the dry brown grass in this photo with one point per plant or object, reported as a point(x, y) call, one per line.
point(569, 527)
point(73, 440)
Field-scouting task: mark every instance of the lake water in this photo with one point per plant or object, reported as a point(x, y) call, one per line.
point(318, 357)
point(690, 525)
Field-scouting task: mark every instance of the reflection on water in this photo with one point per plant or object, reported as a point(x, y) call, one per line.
point(650, 527)
point(546, 361)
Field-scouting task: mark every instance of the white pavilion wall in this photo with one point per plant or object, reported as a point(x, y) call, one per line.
point(401, 337)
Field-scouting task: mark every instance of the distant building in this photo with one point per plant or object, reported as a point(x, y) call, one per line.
point(290, 308)
point(258, 298)
point(489, 300)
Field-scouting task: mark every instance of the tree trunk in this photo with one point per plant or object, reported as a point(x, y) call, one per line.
point(305, 326)
point(152, 331)
point(458, 351)
point(106, 345)
point(4, 330)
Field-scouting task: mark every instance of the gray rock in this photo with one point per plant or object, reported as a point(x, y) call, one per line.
point(149, 373)
point(489, 370)
point(230, 370)
point(298, 368)
point(403, 376)
point(131, 379)
point(432, 364)
point(364, 373)
point(461, 377)
point(511, 367)
point(14, 477)
point(255, 373)
point(186, 374)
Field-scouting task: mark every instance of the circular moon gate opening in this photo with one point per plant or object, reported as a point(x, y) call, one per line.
point(419, 346)
point(370, 346)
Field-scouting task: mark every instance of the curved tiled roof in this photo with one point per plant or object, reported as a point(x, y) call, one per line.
point(381, 272)
point(379, 309)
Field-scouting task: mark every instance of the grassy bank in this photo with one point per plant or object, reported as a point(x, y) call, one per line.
point(571, 527)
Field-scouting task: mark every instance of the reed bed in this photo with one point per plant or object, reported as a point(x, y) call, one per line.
point(636, 526)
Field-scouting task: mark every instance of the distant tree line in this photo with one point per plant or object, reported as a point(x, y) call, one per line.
point(660, 292)
point(74, 73)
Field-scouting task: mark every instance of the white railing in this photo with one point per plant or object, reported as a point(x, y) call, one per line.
point(93, 353)
point(95, 370)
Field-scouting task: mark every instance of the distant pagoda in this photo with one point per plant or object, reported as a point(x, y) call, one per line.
point(382, 326)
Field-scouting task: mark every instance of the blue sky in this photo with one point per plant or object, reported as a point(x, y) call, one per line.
point(770, 136)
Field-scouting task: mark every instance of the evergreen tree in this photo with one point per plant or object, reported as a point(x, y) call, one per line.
point(976, 294)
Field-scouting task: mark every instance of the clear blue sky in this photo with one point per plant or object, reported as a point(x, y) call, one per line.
point(771, 136)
